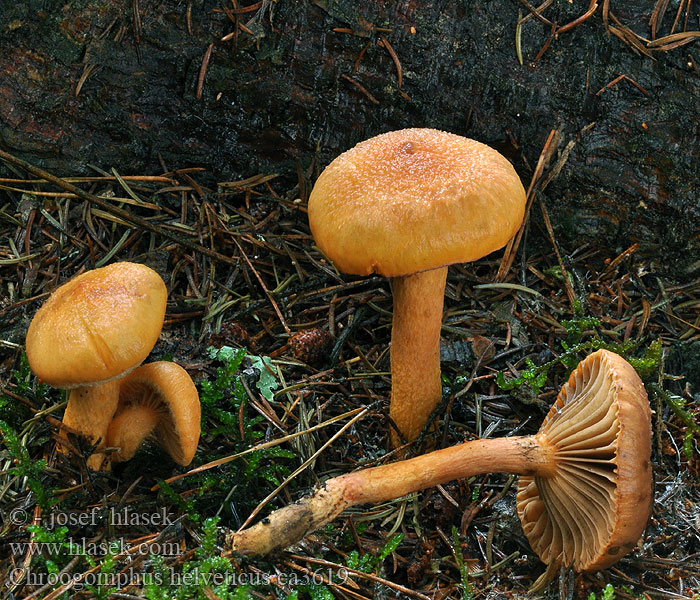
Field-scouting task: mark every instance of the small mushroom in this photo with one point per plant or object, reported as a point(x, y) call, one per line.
point(160, 401)
point(585, 491)
point(91, 331)
point(406, 204)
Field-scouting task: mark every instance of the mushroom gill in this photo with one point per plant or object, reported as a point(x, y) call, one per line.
point(576, 517)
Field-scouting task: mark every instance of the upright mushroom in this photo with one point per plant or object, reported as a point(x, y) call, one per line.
point(585, 491)
point(91, 331)
point(406, 204)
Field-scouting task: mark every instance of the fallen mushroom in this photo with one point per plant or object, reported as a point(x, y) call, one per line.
point(160, 401)
point(91, 331)
point(406, 204)
point(585, 491)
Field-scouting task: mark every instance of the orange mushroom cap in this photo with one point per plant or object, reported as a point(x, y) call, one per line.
point(97, 326)
point(414, 199)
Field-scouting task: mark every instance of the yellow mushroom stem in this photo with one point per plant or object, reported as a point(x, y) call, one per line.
point(130, 428)
point(89, 412)
point(530, 455)
point(416, 387)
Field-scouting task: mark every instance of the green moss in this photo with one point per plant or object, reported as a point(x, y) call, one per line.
point(206, 575)
point(464, 586)
point(535, 376)
point(23, 465)
point(678, 406)
point(607, 593)
point(648, 364)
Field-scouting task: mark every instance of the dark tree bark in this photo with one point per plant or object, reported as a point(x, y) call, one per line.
point(114, 83)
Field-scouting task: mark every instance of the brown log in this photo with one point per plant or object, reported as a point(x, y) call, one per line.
point(126, 84)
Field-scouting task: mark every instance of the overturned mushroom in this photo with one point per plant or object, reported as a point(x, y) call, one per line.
point(91, 331)
point(585, 491)
point(406, 204)
point(160, 401)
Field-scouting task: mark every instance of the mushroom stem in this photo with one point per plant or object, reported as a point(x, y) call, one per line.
point(89, 412)
point(530, 455)
point(416, 388)
point(129, 429)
